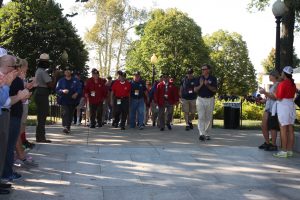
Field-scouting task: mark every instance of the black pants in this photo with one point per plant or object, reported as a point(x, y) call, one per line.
point(96, 112)
point(121, 110)
point(41, 98)
point(67, 115)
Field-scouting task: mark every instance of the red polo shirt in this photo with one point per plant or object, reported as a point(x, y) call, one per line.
point(172, 94)
point(286, 90)
point(96, 92)
point(121, 90)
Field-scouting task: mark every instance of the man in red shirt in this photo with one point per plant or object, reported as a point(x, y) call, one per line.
point(166, 96)
point(95, 92)
point(120, 99)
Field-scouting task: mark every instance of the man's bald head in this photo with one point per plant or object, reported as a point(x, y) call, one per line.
point(7, 63)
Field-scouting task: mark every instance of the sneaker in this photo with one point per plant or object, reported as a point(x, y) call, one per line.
point(263, 146)
point(187, 128)
point(169, 126)
point(271, 147)
point(202, 138)
point(26, 163)
point(207, 137)
point(290, 153)
point(14, 176)
point(191, 125)
point(281, 154)
point(141, 127)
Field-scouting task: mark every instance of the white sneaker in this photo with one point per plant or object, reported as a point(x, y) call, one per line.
point(289, 153)
point(281, 154)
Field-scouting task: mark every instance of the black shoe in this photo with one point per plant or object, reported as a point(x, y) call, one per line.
point(207, 137)
point(43, 141)
point(4, 191)
point(153, 124)
point(169, 126)
point(162, 129)
point(191, 125)
point(66, 131)
point(5, 185)
point(92, 126)
point(187, 128)
point(202, 138)
point(263, 146)
point(271, 147)
point(99, 125)
point(122, 128)
point(116, 125)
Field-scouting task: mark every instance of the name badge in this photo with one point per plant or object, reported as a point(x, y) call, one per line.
point(93, 93)
point(118, 101)
point(136, 92)
point(166, 96)
point(191, 91)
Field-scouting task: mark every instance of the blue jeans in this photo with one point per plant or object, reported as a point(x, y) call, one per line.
point(137, 106)
point(14, 132)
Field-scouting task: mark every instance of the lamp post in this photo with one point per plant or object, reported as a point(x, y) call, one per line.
point(278, 10)
point(153, 61)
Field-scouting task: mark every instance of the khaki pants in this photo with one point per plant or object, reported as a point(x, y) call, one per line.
point(189, 109)
point(205, 108)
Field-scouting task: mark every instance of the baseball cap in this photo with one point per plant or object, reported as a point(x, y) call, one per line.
point(288, 70)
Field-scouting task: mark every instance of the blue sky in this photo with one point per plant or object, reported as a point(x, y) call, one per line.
point(257, 29)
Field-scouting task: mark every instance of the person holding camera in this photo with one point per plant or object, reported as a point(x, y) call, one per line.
point(44, 83)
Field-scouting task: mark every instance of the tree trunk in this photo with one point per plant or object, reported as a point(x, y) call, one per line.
point(1, 2)
point(287, 36)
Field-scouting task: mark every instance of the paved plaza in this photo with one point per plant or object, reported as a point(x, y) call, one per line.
point(110, 164)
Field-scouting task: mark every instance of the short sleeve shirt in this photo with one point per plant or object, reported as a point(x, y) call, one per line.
point(137, 89)
point(188, 88)
point(204, 91)
point(42, 78)
point(286, 90)
point(121, 90)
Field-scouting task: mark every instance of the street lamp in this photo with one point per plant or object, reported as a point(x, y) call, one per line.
point(153, 61)
point(278, 10)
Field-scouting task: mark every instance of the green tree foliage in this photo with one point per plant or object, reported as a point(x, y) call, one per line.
point(269, 63)
point(175, 39)
point(290, 23)
point(233, 68)
point(109, 35)
point(32, 27)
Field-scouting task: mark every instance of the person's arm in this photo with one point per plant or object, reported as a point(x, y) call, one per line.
point(211, 86)
point(199, 85)
point(22, 94)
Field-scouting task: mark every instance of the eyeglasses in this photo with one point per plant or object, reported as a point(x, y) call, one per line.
point(204, 69)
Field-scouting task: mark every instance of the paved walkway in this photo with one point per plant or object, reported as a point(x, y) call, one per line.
point(110, 164)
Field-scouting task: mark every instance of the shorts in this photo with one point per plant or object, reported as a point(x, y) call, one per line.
point(189, 106)
point(24, 114)
point(273, 123)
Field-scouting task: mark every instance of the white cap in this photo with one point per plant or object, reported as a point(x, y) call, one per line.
point(3, 52)
point(288, 70)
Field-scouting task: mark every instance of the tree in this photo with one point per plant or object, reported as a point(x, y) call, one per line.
point(290, 23)
point(109, 35)
point(233, 68)
point(269, 63)
point(32, 27)
point(175, 39)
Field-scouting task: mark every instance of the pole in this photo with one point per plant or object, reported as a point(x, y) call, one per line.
point(277, 50)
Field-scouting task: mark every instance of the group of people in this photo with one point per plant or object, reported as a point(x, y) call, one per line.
point(280, 113)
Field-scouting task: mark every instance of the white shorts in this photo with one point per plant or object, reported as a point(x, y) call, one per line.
point(286, 111)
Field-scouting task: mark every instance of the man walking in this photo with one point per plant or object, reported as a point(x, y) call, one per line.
point(166, 96)
point(206, 89)
point(69, 91)
point(188, 98)
point(137, 104)
point(95, 93)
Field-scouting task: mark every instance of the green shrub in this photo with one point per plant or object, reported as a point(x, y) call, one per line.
point(32, 108)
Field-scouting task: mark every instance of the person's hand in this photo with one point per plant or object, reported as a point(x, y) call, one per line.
point(65, 91)
point(74, 96)
point(23, 94)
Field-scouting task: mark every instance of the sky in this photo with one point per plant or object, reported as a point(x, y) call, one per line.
point(257, 29)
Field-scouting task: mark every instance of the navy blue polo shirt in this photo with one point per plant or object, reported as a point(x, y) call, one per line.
point(137, 89)
point(187, 91)
point(204, 91)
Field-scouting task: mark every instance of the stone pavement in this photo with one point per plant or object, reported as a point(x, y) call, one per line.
point(110, 164)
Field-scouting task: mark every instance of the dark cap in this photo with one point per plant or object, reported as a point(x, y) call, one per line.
point(109, 78)
point(95, 71)
point(120, 73)
point(67, 68)
point(190, 71)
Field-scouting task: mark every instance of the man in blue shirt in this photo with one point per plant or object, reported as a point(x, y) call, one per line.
point(69, 91)
point(188, 98)
point(137, 103)
point(206, 89)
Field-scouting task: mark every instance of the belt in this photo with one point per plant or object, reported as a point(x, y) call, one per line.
point(5, 109)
